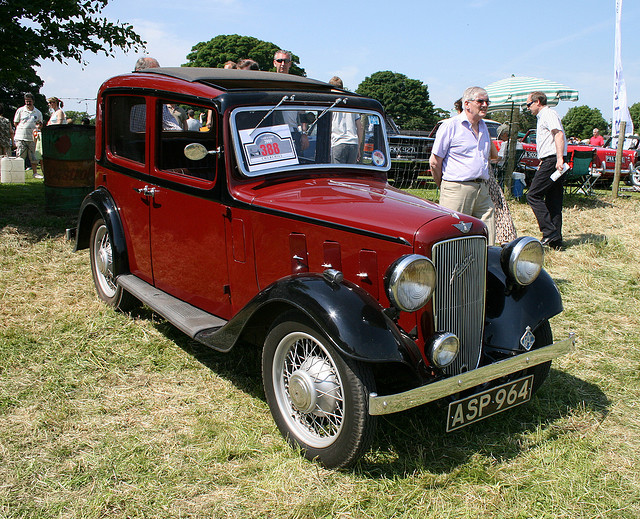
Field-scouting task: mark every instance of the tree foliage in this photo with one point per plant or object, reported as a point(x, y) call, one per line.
point(405, 100)
point(581, 120)
point(78, 117)
point(233, 47)
point(634, 110)
point(60, 30)
point(526, 120)
point(441, 113)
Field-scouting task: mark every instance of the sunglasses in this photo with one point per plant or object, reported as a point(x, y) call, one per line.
point(482, 101)
point(282, 60)
point(530, 103)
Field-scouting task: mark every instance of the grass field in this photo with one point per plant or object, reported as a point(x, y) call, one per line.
point(109, 415)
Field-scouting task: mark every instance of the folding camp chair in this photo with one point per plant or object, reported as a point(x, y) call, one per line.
point(579, 178)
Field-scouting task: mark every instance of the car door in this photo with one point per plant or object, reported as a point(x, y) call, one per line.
point(186, 218)
point(125, 174)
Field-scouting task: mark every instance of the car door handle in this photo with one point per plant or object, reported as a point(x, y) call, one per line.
point(146, 191)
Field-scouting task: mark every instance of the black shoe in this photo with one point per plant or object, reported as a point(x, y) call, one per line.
point(551, 239)
point(555, 244)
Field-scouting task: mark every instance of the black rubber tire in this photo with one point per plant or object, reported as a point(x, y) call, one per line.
point(100, 254)
point(318, 399)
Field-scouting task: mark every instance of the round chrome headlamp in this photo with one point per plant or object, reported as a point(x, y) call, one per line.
point(522, 260)
point(410, 282)
point(443, 349)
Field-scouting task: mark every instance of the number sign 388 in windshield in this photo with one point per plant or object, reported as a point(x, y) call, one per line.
point(266, 146)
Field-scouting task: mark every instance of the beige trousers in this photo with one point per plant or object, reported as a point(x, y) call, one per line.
point(470, 198)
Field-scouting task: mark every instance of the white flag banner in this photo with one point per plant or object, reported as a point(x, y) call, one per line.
point(620, 107)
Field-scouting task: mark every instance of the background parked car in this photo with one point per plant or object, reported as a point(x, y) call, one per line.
point(603, 161)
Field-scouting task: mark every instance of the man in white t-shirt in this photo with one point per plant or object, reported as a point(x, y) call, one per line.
point(347, 133)
point(545, 194)
point(25, 121)
point(193, 125)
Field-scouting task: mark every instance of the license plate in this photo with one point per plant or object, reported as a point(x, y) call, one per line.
point(492, 401)
point(402, 149)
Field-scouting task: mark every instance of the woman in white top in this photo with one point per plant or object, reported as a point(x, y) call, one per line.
point(58, 116)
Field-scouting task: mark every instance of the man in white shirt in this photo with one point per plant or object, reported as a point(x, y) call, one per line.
point(545, 194)
point(460, 160)
point(347, 133)
point(25, 121)
point(193, 125)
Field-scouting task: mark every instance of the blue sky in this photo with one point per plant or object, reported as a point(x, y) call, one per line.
point(447, 45)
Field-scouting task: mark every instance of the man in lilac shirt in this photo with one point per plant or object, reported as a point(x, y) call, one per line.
point(460, 160)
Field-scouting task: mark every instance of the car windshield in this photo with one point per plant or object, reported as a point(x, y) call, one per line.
point(271, 140)
point(630, 142)
point(493, 126)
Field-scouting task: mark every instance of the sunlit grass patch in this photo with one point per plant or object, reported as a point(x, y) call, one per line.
point(104, 414)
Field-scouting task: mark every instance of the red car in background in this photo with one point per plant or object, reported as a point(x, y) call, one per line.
point(604, 159)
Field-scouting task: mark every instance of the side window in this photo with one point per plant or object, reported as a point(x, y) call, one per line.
point(184, 124)
point(126, 122)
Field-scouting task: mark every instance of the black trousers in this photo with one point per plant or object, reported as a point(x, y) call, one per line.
point(545, 198)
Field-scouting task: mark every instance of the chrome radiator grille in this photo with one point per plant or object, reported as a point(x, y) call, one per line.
point(458, 300)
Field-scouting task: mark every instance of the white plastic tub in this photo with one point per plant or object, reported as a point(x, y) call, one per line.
point(12, 170)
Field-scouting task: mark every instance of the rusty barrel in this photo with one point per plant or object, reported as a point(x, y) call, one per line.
point(68, 163)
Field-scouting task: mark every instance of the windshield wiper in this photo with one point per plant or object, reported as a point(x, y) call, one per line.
point(285, 98)
point(339, 100)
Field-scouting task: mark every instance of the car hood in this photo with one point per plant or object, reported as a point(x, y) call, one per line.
point(371, 206)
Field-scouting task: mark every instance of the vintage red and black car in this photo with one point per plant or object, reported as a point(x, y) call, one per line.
point(361, 298)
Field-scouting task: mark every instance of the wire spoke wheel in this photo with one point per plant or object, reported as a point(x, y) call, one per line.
point(102, 256)
point(103, 269)
point(308, 387)
point(318, 399)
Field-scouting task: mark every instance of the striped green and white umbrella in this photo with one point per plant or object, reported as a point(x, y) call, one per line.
point(513, 91)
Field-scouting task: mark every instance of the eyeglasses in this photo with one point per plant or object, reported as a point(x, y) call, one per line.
point(530, 103)
point(482, 101)
point(282, 60)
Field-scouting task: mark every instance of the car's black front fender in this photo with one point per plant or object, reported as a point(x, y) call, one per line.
point(100, 204)
point(346, 314)
point(511, 309)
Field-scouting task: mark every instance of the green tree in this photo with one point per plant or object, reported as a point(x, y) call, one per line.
point(581, 120)
point(233, 47)
point(59, 30)
point(525, 118)
point(634, 110)
point(441, 113)
point(404, 99)
point(77, 117)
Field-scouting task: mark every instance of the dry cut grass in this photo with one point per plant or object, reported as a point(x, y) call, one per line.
point(109, 415)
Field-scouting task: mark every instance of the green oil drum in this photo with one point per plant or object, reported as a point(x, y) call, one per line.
point(68, 152)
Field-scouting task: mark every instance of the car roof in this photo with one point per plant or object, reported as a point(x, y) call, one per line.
point(233, 79)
